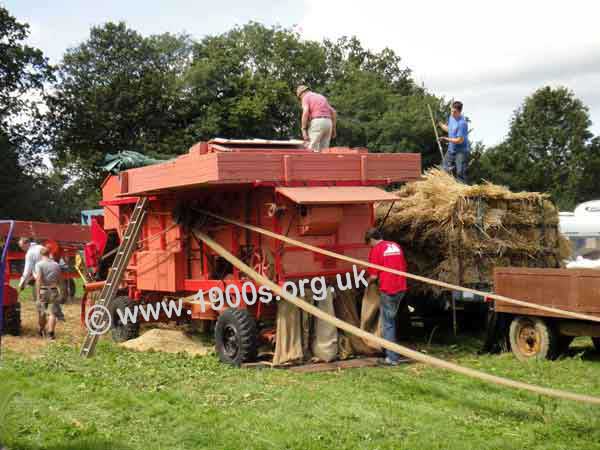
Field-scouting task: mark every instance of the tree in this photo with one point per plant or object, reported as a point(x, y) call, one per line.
point(547, 148)
point(588, 187)
point(23, 72)
point(241, 83)
point(161, 94)
point(116, 91)
point(23, 69)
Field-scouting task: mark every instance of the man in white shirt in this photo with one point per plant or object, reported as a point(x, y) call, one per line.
point(32, 256)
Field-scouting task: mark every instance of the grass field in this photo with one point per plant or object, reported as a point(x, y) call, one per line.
point(52, 399)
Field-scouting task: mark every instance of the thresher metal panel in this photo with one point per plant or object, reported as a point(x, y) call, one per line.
point(340, 195)
point(393, 166)
point(160, 270)
point(185, 171)
point(320, 220)
point(576, 290)
point(110, 190)
point(249, 167)
point(346, 239)
point(203, 169)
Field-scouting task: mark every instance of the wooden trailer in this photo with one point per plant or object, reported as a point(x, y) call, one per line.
point(534, 333)
point(324, 199)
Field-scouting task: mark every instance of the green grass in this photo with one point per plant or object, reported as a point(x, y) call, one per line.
point(127, 400)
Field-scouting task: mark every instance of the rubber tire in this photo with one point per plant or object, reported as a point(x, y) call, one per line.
point(120, 332)
point(596, 342)
point(549, 338)
point(12, 320)
point(243, 324)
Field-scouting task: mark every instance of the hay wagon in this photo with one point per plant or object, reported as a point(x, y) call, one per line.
point(324, 199)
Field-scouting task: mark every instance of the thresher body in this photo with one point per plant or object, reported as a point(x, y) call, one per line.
point(324, 199)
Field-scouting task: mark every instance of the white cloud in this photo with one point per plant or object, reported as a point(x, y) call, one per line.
point(490, 55)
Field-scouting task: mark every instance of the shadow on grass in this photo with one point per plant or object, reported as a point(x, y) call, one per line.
point(86, 444)
point(587, 354)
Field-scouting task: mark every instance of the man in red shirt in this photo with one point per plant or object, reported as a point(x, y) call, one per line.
point(322, 118)
point(392, 287)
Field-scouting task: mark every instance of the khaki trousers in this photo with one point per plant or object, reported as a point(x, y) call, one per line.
point(319, 133)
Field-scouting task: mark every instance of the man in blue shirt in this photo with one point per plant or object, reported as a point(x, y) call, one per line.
point(457, 156)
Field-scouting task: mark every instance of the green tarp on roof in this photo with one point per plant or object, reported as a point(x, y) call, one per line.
point(127, 160)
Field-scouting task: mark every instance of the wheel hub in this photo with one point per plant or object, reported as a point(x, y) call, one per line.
point(529, 340)
point(231, 345)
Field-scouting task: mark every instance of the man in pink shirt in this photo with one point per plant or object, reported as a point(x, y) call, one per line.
point(317, 112)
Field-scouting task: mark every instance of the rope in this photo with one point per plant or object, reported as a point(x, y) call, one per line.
point(415, 355)
point(443, 284)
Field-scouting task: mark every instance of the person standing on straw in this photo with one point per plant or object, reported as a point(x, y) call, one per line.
point(457, 156)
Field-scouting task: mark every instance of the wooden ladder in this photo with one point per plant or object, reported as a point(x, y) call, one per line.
point(115, 274)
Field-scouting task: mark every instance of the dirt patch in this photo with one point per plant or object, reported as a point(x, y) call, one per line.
point(169, 341)
point(30, 343)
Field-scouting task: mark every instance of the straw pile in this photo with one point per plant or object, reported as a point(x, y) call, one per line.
point(168, 341)
point(458, 233)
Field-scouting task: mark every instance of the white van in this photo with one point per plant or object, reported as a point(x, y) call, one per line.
point(582, 227)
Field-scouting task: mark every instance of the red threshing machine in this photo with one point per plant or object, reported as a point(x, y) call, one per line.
point(324, 199)
point(63, 241)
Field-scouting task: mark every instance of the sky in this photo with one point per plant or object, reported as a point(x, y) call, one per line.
point(488, 55)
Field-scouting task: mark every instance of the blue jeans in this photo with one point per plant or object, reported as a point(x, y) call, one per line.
point(459, 162)
point(388, 307)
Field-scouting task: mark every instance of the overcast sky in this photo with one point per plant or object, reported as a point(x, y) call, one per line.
point(489, 55)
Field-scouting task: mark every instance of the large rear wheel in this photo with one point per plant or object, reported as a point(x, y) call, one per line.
point(121, 331)
point(235, 336)
point(533, 338)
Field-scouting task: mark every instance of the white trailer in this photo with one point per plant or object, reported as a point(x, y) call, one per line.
point(582, 227)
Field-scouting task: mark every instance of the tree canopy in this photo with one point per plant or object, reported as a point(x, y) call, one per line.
point(161, 94)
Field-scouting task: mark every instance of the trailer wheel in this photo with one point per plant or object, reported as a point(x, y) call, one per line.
point(12, 320)
point(235, 336)
point(596, 342)
point(533, 338)
point(123, 332)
